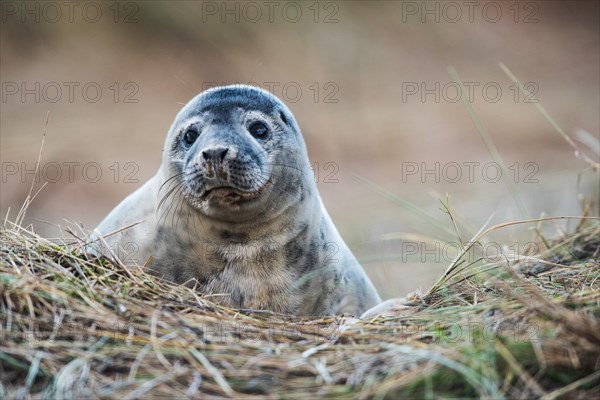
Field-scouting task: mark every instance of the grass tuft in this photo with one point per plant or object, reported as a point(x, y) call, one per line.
point(73, 327)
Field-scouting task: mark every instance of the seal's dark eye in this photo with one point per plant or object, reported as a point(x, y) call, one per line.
point(190, 137)
point(258, 130)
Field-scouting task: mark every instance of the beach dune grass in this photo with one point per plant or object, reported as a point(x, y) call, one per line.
point(76, 327)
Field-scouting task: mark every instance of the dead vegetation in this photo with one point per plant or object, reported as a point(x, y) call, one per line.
point(74, 327)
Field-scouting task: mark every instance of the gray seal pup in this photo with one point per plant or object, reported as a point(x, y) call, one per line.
point(234, 212)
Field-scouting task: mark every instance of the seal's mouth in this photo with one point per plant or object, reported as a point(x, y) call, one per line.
point(231, 195)
point(227, 193)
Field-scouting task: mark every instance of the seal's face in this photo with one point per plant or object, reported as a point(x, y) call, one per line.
point(236, 153)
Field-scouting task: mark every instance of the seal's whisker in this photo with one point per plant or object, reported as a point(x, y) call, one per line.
point(284, 177)
point(294, 189)
point(174, 214)
point(193, 200)
point(285, 165)
point(176, 191)
point(198, 239)
point(177, 214)
point(170, 180)
point(166, 196)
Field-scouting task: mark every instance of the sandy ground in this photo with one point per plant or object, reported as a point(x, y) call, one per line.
point(368, 84)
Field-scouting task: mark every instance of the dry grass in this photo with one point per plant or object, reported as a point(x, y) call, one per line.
point(79, 328)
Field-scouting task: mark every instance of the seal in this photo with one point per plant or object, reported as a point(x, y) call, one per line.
point(234, 212)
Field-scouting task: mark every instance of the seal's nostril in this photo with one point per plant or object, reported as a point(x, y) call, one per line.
point(223, 154)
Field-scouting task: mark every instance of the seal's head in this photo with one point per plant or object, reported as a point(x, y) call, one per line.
point(237, 154)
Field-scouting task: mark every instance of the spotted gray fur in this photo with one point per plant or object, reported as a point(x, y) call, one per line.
point(238, 216)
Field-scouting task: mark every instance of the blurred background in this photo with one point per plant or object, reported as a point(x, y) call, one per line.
point(368, 83)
